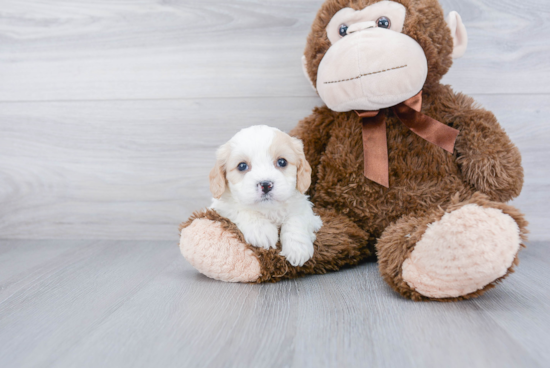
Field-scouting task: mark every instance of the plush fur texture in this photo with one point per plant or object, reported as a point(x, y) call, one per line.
point(369, 67)
point(400, 239)
point(426, 183)
point(339, 243)
point(424, 22)
point(228, 259)
point(462, 252)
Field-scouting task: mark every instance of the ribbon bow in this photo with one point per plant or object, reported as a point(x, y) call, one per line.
point(375, 148)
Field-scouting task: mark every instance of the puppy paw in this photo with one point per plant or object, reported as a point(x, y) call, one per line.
point(317, 223)
point(261, 236)
point(297, 248)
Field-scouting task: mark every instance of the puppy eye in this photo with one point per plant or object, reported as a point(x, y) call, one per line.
point(281, 162)
point(242, 166)
point(383, 22)
point(343, 30)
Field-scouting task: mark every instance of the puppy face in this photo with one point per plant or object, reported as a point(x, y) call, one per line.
point(260, 165)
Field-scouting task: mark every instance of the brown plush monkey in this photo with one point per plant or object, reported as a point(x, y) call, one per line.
point(436, 221)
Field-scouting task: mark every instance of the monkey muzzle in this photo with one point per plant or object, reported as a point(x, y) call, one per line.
point(371, 69)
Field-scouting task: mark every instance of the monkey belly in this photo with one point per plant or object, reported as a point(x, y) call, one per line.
point(422, 176)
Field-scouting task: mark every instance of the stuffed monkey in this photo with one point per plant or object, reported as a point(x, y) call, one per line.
point(404, 170)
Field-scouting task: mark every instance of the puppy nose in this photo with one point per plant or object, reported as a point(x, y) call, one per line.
point(267, 186)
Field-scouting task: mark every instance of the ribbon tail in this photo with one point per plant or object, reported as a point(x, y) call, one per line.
point(426, 127)
point(375, 149)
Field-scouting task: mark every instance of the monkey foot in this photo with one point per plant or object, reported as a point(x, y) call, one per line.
point(463, 252)
point(218, 253)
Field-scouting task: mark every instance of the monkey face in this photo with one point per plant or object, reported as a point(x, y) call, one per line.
point(373, 57)
point(370, 64)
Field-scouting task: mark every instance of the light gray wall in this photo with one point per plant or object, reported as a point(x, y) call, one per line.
point(110, 112)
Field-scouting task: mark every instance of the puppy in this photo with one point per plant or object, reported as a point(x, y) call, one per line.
point(259, 182)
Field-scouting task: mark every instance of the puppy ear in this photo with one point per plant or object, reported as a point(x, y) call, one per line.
point(217, 174)
point(303, 177)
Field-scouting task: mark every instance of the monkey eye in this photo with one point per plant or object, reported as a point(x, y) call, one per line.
point(281, 162)
point(242, 166)
point(343, 30)
point(383, 22)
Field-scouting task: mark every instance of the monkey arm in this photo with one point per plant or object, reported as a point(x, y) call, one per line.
point(314, 131)
point(487, 157)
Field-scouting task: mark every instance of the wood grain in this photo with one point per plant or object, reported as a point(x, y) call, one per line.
point(75, 293)
point(135, 169)
point(241, 48)
point(139, 304)
point(110, 112)
point(122, 169)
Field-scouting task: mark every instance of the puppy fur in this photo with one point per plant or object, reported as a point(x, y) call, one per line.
point(238, 194)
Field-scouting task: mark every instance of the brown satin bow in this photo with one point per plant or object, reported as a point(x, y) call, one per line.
point(375, 148)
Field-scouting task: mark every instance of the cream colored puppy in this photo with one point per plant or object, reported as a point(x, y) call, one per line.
point(259, 182)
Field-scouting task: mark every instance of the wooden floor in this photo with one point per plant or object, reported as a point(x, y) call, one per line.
point(140, 304)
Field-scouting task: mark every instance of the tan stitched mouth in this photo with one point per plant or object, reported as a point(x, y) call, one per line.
point(364, 75)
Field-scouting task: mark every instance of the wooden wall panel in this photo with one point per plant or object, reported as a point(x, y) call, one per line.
point(118, 169)
point(241, 48)
point(134, 169)
point(110, 112)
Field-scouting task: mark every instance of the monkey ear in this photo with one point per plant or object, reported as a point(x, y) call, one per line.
point(303, 175)
point(217, 174)
point(460, 36)
point(304, 69)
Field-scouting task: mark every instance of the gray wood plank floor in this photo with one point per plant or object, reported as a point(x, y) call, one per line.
point(139, 304)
